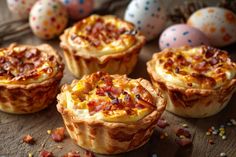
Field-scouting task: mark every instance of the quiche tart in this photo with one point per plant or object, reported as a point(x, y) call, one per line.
point(110, 114)
point(197, 81)
point(29, 77)
point(101, 43)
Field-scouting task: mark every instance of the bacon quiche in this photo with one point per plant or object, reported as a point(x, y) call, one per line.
point(29, 77)
point(110, 114)
point(101, 43)
point(197, 81)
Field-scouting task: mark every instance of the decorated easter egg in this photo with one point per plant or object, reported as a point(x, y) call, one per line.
point(182, 35)
point(148, 16)
point(78, 9)
point(48, 18)
point(217, 23)
point(20, 7)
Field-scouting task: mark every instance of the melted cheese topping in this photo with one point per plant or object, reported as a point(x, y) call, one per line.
point(101, 35)
point(26, 65)
point(103, 97)
point(200, 67)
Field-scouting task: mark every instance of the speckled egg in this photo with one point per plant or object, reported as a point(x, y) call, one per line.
point(149, 16)
point(20, 7)
point(182, 35)
point(48, 18)
point(217, 23)
point(78, 9)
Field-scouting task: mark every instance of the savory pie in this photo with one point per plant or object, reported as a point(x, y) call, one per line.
point(110, 114)
point(198, 82)
point(29, 77)
point(101, 43)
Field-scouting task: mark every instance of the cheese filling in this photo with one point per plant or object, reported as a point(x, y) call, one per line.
point(201, 67)
point(109, 99)
point(99, 35)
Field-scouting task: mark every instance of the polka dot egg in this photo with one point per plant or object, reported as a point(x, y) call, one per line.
point(78, 9)
point(20, 7)
point(48, 18)
point(218, 24)
point(148, 16)
point(182, 35)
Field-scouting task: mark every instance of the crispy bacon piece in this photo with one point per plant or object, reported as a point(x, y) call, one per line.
point(28, 139)
point(183, 132)
point(45, 153)
point(58, 134)
point(89, 154)
point(162, 123)
point(72, 154)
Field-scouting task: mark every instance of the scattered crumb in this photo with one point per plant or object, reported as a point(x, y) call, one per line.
point(72, 154)
point(45, 153)
point(49, 132)
point(162, 123)
point(184, 141)
point(28, 139)
point(59, 147)
point(183, 132)
point(30, 155)
point(89, 154)
point(223, 154)
point(58, 134)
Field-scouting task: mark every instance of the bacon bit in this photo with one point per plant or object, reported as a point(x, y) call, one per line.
point(45, 153)
point(72, 154)
point(143, 102)
point(202, 78)
point(168, 63)
point(28, 139)
point(210, 141)
point(183, 132)
point(162, 123)
point(214, 61)
point(182, 61)
point(209, 54)
point(202, 66)
point(58, 134)
point(89, 154)
point(184, 142)
point(115, 101)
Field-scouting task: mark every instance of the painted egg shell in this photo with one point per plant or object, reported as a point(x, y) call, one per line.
point(48, 18)
point(78, 9)
point(148, 16)
point(182, 35)
point(217, 23)
point(20, 7)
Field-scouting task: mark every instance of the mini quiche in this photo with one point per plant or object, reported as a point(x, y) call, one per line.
point(101, 43)
point(29, 77)
point(110, 114)
point(198, 82)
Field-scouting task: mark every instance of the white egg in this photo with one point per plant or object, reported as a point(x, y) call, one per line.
point(149, 16)
point(48, 18)
point(218, 24)
point(20, 7)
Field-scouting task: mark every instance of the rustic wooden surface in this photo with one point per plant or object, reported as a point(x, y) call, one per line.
point(13, 127)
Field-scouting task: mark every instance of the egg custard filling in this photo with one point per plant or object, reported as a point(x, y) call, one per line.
point(101, 35)
point(110, 98)
point(200, 67)
point(26, 65)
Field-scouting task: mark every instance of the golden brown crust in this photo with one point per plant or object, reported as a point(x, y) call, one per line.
point(28, 97)
point(81, 63)
point(108, 137)
point(191, 102)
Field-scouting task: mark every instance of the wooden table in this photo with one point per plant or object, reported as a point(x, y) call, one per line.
point(13, 127)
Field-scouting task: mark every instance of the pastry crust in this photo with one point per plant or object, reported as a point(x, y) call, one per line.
point(101, 43)
point(106, 136)
point(200, 88)
point(30, 77)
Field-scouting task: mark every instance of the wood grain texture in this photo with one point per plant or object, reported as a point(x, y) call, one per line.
point(14, 127)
